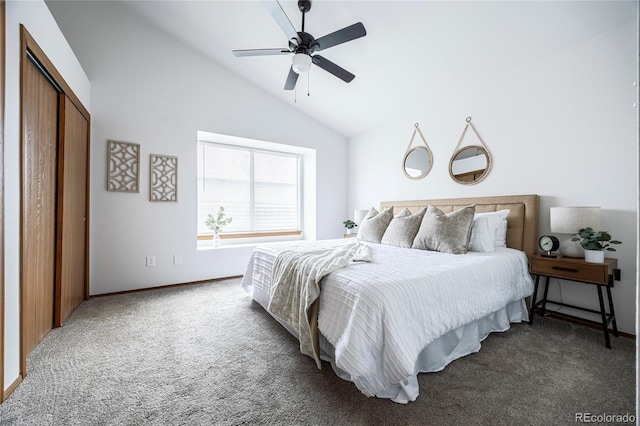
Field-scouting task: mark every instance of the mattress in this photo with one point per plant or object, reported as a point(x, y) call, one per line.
point(405, 312)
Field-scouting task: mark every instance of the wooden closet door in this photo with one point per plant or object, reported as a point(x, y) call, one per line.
point(72, 211)
point(39, 177)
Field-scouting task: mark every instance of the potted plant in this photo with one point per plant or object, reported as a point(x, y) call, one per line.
point(595, 243)
point(349, 224)
point(215, 223)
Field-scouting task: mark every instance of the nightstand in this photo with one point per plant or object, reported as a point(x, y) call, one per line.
point(566, 268)
point(350, 235)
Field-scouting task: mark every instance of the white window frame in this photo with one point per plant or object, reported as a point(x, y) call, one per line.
point(306, 186)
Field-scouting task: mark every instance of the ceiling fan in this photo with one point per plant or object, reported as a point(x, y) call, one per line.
point(303, 45)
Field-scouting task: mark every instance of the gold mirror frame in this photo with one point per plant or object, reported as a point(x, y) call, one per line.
point(475, 175)
point(427, 169)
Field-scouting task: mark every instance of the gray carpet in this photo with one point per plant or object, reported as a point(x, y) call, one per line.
point(206, 354)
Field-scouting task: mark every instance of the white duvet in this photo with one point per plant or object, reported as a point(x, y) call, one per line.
point(380, 315)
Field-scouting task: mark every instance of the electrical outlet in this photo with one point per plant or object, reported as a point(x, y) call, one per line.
point(177, 259)
point(151, 261)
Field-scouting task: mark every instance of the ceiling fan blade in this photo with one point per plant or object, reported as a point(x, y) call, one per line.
point(281, 18)
point(344, 35)
point(332, 68)
point(260, 52)
point(292, 78)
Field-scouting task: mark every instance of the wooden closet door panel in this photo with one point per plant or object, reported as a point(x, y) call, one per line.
point(72, 215)
point(40, 127)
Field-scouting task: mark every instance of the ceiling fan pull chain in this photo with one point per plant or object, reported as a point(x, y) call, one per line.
point(308, 84)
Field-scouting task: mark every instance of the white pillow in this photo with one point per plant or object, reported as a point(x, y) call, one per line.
point(488, 231)
point(501, 230)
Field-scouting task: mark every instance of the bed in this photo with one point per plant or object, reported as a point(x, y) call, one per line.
point(404, 311)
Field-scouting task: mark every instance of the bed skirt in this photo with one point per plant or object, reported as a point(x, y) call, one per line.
point(436, 356)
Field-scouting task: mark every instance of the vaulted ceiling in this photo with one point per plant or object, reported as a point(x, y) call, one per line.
point(414, 51)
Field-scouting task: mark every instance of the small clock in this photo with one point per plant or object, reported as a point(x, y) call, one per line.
point(547, 244)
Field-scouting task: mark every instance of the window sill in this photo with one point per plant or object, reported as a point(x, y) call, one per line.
point(247, 239)
point(204, 237)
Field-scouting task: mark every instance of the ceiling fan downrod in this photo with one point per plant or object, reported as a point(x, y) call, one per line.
point(304, 6)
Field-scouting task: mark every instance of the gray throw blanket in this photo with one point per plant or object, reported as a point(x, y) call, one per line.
point(295, 288)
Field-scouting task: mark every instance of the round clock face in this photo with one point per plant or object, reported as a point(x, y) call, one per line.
point(548, 243)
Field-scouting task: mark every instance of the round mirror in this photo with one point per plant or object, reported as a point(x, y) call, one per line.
point(417, 162)
point(470, 164)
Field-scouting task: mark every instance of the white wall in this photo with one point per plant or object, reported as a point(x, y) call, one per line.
point(563, 127)
point(149, 89)
point(35, 16)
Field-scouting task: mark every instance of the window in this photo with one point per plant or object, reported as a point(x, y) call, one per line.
point(259, 189)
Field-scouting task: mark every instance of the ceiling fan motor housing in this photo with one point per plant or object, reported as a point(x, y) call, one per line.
point(307, 44)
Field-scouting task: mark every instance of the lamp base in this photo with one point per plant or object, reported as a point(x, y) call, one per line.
point(570, 248)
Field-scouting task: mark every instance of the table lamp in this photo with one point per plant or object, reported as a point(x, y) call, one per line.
point(359, 215)
point(570, 220)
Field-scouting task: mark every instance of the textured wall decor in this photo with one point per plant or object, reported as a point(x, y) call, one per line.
point(163, 185)
point(123, 166)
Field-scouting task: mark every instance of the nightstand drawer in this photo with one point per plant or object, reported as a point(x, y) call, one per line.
point(579, 271)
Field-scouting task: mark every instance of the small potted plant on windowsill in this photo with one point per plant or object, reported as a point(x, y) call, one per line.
point(215, 223)
point(349, 225)
point(595, 243)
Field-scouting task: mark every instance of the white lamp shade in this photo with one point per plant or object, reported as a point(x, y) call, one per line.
point(358, 215)
point(301, 63)
point(570, 220)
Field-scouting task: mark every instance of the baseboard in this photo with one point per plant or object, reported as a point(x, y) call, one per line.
point(165, 286)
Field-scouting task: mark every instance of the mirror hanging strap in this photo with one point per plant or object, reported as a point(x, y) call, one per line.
point(417, 129)
point(464, 131)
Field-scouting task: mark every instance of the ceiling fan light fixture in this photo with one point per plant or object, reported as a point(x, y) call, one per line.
point(301, 63)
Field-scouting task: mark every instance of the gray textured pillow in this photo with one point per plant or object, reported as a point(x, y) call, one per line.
point(374, 224)
point(403, 228)
point(446, 233)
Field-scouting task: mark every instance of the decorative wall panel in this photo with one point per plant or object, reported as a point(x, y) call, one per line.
point(163, 184)
point(123, 168)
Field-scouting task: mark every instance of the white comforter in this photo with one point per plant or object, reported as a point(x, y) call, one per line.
point(380, 315)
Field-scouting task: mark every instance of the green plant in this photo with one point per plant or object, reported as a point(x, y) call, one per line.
point(349, 224)
point(595, 240)
point(215, 223)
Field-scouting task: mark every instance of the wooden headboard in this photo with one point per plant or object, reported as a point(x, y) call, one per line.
point(522, 222)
